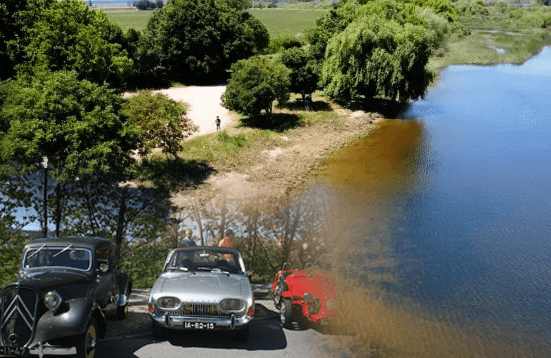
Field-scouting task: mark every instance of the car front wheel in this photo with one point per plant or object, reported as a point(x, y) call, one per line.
point(286, 312)
point(86, 344)
point(280, 288)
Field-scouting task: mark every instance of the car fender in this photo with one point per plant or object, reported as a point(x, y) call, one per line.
point(125, 289)
point(287, 294)
point(72, 316)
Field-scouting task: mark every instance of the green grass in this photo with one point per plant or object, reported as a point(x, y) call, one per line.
point(474, 49)
point(130, 18)
point(294, 22)
point(278, 21)
point(227, 150)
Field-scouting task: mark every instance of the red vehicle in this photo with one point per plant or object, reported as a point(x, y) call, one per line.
point(304, 297)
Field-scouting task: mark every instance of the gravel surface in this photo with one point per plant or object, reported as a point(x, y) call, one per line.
point(205, 105)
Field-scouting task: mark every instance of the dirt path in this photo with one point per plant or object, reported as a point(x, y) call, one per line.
point(205, 105)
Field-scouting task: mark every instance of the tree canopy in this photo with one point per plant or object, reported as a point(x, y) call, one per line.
point(197, 40)
point(161, 120)
point(255, 84)
point(304, 76)
point(379, 48)
point(377, 57)
point(68, 35)
point(77, 125)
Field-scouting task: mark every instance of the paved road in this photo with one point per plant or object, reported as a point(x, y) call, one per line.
point(132, 337)
point(267, 338)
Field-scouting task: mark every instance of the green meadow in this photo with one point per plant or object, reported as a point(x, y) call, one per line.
point(279, 22)
point(130, 18)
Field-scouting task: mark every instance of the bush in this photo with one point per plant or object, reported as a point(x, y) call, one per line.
point(472, 8)
point(281, 43)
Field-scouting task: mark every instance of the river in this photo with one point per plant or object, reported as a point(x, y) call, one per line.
point(453, 201)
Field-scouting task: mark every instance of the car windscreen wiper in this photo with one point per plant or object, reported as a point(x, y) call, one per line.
point(217, 270)
point(185, 269)
point(62, 251)
point(37, 251)
point(204, 268)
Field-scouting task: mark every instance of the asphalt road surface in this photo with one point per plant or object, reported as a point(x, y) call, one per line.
point(267, 339)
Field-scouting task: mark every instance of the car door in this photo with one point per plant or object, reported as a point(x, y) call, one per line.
point(104, 278)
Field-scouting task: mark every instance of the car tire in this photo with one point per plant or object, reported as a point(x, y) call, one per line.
point(243, 334)
point(86, 343)
point(122, 312)
point(286, 312)
point(158, 331)
point(280, 288)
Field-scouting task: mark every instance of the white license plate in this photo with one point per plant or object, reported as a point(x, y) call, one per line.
point(199, 325)
point(11, 351)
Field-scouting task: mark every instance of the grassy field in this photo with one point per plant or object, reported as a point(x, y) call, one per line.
point(130, 18)
point(287, 21)
point(476, 48)
point(278, 21)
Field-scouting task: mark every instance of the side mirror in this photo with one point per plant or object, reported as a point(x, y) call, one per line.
point(249, 273)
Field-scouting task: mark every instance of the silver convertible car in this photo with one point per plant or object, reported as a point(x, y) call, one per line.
point(202, 288)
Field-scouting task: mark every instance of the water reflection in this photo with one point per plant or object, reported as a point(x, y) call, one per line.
point(457, 200)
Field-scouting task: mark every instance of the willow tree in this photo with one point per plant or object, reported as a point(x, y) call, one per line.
point(375, 57)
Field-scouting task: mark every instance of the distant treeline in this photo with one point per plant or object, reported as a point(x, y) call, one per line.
point(148, 5)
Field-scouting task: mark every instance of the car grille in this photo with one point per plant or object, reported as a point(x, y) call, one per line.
point(19, 315)
point(197, 309)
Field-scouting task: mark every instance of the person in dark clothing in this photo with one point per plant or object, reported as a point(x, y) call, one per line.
point(305, 256)
point(217, 122)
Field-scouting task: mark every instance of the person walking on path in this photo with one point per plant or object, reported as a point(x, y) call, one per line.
point(187, 240)
point(217, 122)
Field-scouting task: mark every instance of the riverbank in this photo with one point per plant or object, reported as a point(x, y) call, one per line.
point(272, 163)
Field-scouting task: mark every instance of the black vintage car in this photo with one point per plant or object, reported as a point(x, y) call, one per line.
point(59, 301)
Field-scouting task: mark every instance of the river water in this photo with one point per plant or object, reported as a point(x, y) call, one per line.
point(453, 201)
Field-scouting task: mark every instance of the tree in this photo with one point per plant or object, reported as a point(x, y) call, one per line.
point(15, 15)
point(304, 77)
point(68, 35)
point(74, 127)
point(162, 121)
point(199, 40)
point(376, 57)
point(255, 84)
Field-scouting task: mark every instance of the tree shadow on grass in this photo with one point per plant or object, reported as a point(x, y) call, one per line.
point(174, 173)
point(387, 108)
point(300, 105)
point(279, 122)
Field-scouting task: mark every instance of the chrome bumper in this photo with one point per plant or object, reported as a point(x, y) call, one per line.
point(46, 349)
point(177, 322)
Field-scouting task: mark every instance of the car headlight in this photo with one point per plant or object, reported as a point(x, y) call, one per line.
point(168, 302)
point(332, 304)
point(232, 304)
point(52, 300)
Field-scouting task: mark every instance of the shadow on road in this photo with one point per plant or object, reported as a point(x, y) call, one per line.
point(265, 334)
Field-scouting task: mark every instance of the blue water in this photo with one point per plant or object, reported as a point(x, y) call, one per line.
point(480, 228)
point(468, 222)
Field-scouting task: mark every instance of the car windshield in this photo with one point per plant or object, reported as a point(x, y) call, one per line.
point(65, 257)
point(212, 260)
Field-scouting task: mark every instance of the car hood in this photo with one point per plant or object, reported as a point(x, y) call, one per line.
point(202, 287)
point(67, 283)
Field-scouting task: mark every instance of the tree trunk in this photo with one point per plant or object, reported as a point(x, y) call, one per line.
point(45, 205)
point(120, 224)
point(58, 190)
point(197, 215)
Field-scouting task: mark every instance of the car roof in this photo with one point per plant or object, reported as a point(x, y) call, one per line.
point(89, 242)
